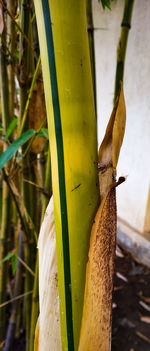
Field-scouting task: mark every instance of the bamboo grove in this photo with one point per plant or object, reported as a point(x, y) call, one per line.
point(48, 140)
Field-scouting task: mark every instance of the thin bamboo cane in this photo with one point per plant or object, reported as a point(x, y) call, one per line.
point(5, 192)
point(47, 186)
point(29, 193)
point(90, 27)
point(35, 299)
point(122, 45)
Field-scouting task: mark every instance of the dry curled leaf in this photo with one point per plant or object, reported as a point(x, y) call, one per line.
point(48, 328)
point(37, 113)
point(111, 144)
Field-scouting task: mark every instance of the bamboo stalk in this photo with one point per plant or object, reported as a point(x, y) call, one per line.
point(35, 299)
point(29, 193)
point(90, 27)
point(122, 45)
point(71, 122)
point(47, 186)
point(5, 192)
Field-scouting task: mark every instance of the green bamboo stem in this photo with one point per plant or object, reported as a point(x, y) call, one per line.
point(47, 185)
point(5, 192)
point(122, 45)
point(90, 27)
point(26, 72)
point(69, 92)
point(35, 298)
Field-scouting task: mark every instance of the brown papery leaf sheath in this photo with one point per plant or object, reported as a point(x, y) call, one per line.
point(96, 320)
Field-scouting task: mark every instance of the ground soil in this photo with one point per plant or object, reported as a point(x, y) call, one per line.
point(131, 305)
point(131, 290)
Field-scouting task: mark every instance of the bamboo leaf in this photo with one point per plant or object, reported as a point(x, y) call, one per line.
point(43, 133)
point(7, 257)
point(105, 3)
point(8, 154)
point(11, 127)
point(14, 263)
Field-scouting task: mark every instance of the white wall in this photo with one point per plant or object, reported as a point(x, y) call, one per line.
point(135, 154)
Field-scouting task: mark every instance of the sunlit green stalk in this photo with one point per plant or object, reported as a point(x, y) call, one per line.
point(122, 45)
point(90, 28)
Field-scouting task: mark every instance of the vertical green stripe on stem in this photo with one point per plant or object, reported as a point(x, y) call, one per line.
point(61, 172)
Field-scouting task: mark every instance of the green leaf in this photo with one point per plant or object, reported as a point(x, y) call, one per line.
point(11, 127)
point(7, 257)
point(43, 133)
point(105, 3)
point(14, 263)
point(8, 154)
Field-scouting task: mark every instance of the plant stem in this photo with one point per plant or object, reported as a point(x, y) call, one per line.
point(122, 45)
point(35, 299)
point(5, 192)
point(47, 185)
point(26, 72)
point(71, 117)
point(90, 28)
